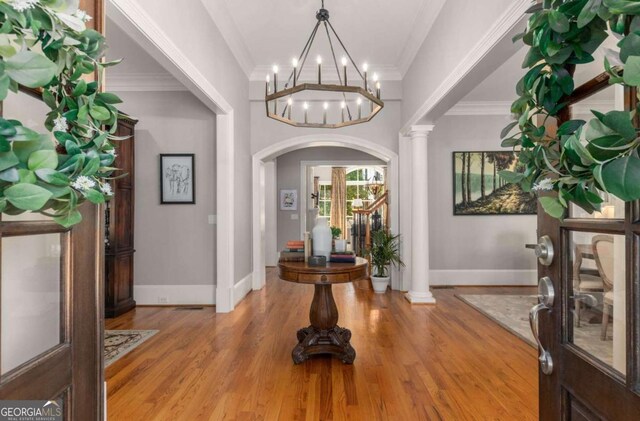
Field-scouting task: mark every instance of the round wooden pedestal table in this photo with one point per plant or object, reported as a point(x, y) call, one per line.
point(323, 336)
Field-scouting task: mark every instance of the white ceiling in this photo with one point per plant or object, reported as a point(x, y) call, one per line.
point(384, 33)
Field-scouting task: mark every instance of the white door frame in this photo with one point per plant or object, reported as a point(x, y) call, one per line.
point(326, 140)
point(135, 21)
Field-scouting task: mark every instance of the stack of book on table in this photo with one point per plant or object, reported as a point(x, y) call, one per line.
point(343, 257)
point(293, 252)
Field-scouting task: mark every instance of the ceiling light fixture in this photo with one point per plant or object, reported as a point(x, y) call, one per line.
point(280, 100)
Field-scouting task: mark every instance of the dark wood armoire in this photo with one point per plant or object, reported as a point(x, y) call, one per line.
point(119, 220)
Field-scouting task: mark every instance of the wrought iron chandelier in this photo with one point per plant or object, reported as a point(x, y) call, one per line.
point(293, 103)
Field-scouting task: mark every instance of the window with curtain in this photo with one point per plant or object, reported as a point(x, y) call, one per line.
point(357, 180)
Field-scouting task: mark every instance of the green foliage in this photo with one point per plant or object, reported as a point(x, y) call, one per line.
point(335, 232)
point(384, 251)
point(583, 159)
point(45, 45)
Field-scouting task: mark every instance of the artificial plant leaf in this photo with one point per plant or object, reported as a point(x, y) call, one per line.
point(569, 127)
point(620, 122)
point(620, 177)
point(588, 12)
point(508, 129)
point(93, 196)
point(99, 113)
point(69, 219)
point(27, 196)
point(607, 147)
point(559, 22)
point(43, 159)
point(631, 75)
point(629, 46)
point(30, 69)
point(552, 206)
point(511, 176)
point(10, 175)
point(8, 160)
point(52, 176)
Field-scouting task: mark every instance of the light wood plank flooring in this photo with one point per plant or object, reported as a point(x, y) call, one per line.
point(443, 362)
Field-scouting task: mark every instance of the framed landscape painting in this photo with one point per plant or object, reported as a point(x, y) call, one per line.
point(479, 190)
point(177, 179)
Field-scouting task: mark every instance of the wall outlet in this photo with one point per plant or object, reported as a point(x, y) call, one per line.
point(213, 219)
point(163, 300)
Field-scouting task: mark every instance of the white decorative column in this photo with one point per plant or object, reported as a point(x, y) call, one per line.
point(419, 292)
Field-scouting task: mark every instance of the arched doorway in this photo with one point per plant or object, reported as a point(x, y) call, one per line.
point(331, 140)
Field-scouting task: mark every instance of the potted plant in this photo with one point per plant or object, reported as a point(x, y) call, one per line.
point(338, 244)
point(383, 252)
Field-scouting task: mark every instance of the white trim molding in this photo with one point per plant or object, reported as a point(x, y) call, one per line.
point(136, 22)
point(174, 294)
point(242, 288)
point(513, 16)
point(480, 108)
point(143, 82)
point(483, 277)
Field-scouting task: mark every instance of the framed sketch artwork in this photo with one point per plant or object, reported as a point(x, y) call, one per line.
point(177, 179)
point(289, 200)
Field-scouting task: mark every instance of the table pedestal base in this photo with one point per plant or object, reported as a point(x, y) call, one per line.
point(312, 341)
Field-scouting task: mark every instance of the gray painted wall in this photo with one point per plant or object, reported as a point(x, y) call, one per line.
point(288, 176)
point(175, 245)
point(471, 242)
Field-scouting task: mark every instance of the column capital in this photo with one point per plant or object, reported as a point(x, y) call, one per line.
point(420, 131)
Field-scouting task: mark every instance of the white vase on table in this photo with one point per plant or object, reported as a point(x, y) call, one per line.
point(322, 238)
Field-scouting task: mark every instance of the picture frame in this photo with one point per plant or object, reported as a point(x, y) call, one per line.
point(177, 179)
point(478, 193)
point(288, 200)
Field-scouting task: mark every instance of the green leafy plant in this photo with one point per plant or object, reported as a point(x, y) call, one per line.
point(335, 232)
point(582, 160)
point(44, 44)
point(384, 251)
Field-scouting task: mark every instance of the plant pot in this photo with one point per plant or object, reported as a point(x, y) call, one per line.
point(340, 246)
point(380, 284)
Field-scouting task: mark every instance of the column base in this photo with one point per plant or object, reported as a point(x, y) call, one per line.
point(420, 297)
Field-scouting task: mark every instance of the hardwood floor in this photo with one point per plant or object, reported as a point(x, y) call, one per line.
point(443, 362)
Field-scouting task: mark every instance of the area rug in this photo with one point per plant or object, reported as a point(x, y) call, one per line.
point(512, 313)
point(118, 343)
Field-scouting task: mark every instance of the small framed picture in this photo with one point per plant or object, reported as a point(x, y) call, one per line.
point(289, 200)
point(177, 179)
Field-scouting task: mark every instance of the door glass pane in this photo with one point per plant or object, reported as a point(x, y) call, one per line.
point(30, 298)
point(611, 208)
point(597, 323)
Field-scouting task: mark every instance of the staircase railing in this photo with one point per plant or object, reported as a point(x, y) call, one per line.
point(374, 217)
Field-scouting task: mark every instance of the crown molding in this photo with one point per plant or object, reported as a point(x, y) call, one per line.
point(421, 27)
point(329, 74)
point(143, 82)
point(226, 25)
point(513, 16)
point(480, 108)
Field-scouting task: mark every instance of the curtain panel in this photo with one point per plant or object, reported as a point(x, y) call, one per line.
point(339, 199)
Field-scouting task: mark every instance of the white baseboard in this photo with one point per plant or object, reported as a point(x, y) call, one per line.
point(174, 294)
point(242, 288)
point(483, 277)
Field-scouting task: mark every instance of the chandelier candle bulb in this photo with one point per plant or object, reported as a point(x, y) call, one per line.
point(268, 87)
point(359, 102)
point(306, 112)
point(290, 105)
point(324, 116)
point(319, 60)
point(275, 79)
point(342, 106)
point(344, 67)
point(294, 62)
point(365, 68)
point(378, 89)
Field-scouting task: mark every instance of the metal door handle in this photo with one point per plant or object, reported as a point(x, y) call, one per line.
point(546, 298)
point(544, 250)
point(546, 362)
